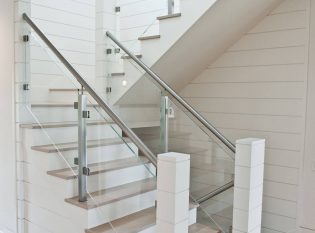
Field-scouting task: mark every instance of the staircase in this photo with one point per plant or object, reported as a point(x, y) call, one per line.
point(121, 178)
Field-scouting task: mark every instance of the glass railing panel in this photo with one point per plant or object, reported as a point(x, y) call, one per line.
point(212, 162)
point(115, 172)
point(217, 212)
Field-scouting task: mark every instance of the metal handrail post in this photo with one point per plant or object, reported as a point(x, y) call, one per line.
point(170, 7)
point(82, 145)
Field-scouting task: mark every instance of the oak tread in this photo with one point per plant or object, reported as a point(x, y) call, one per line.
point(169, 16)
point(152, 37)
point(61, 124)
point(115, 194)
point(97, 168)
point(140, 221)
point(53, 148)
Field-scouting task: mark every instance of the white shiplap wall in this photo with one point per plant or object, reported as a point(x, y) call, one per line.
point(257, 88)
point(70, 25)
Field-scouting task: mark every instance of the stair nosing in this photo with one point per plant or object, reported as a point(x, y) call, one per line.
point(103, 142)
point(152, 37)
point(130, 162)
point(175, 15)
point(64, 89)
point(47, 125)
point(128, 57)
point(117, 74)
point(89, 206)
point(144, 212)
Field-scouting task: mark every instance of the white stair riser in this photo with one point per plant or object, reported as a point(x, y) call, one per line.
point(69, 188)
point(50, 198)
point(54, 161)
point(69, 134)
point(121, 208)
point(52, 222)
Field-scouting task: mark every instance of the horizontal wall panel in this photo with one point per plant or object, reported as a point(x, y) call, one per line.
point(255, 106)
point(63, 30)
point(67, 6)
point(142, 7)
point(291, 20)
point(278, 223)
point(246, 90)
point(281, 174)
point(263, 57)
point(279, 190)
point(280, 207)
point(38, 53)
point(280, 124)
point(52, 15)
point(279, 73)
point(273, 140)
point(284, 158)
point(289, 6)
point(269, 40)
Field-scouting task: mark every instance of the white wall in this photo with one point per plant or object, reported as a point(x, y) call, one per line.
point(307, 190)
point(70, 25)
point(8, 213)
point(257, 88)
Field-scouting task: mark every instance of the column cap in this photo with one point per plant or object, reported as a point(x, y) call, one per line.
point(251, 141)
point(174, 157)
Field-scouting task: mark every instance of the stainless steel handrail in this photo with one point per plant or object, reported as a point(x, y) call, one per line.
point(216, 192)
point(133, 137)
point(170, 91)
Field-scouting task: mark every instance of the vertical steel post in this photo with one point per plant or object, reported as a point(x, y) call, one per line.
point(164, 123)
point(170, 5)
point(82, 145)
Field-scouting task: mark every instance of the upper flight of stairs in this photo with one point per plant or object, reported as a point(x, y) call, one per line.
point(160, 42)
point(193, 45)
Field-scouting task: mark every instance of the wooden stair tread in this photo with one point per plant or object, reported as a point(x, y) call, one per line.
point(139, 221)
point(64, 89)
point(147, 135)
point(110, 195)
point(117, 74)
point(97, 168)
point(128, 57)
point(132, 223)
point(51, 148)
point(61, 124)
point(169, 16)
point(152, 37)
point(185, 150)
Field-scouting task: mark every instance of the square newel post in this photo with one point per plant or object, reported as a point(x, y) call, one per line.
point(248, 188)
point(173, 193)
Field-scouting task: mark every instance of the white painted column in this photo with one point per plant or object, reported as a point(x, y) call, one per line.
point(248, 188)
point(173, 193)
